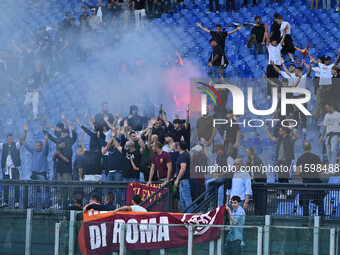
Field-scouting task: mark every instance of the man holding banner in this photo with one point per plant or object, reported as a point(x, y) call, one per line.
point(135, 207)
point(162, 162)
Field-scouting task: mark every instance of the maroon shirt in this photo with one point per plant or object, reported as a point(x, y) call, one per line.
point(160, 162)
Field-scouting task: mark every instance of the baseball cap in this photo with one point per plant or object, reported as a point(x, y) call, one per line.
point(328, 58)
point(93, 9)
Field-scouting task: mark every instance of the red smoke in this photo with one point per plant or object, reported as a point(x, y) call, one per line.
point(177, 83)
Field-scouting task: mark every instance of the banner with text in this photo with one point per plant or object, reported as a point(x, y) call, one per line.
point(100, 232)
point(143, 191)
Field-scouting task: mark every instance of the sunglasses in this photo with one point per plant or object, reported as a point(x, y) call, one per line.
point(237, 164)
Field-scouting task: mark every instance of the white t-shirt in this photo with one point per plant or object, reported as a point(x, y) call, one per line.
point(317, 71)
point(291, 79)
point(283, 26)
point(332, 122)
point(166, 148)
point(138, 208)
point(302, 84)
point(275, 54)
point(325, 74)
point(100, 14)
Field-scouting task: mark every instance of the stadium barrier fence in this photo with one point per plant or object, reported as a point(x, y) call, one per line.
point(294, 199)
point(45, 232)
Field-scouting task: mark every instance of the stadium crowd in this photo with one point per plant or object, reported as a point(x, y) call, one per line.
point(140, 148)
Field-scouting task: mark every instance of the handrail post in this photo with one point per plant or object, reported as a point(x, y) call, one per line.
point(122, 232)
point(163, 252)
point(266, 241)
point(71, 236)
point(316, 237)
point(56, 238)
point(259, 240)
point(191, 240)
point(332, 241)
point(212, 247)
point(169, 198)
point(220, 241)
point(28, 239)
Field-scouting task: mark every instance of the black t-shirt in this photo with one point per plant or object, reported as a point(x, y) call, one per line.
point(231, 131)
point(275, 28)
point(309, 161)
point(92, 163)
point(205, 127)
point(33, 81)
point(258, 31)
point(221, 108)
point(177, 134)
point(74, 208)
point(60, 165)
point(79, 162)
point(139, 4)
point(136, 122)
point(99, 119)
point(115, 160)
point(217, 50)
point(184, 157)
point(219, 38)
point(128, 171)
point(160, 132)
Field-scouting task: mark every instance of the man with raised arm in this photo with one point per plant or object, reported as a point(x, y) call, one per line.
point(180, 131)
point(131, 159)
point(325, 82)
point(302, 85)
point(219, 37)
point(284, 150)
point(64, 133)
point(39, 157)
point(59, 127)
point(274, 54)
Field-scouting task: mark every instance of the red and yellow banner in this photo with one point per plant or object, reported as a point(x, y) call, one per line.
point(100, 232)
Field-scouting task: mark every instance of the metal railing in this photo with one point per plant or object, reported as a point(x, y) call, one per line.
point(56, 232)
point(164, 202)
point(204, 202)
point(267, 199)
point(295, 199)
point(55, 195)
